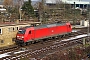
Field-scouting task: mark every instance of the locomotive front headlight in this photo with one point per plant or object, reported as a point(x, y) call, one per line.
point(17, 36)
point(22, 36)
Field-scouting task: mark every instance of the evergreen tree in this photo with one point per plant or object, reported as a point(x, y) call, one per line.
point(27, 7)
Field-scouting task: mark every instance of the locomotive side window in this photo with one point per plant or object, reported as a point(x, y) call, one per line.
point(29, 32)
point(69, 26)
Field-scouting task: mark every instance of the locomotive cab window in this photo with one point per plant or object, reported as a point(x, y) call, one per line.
point(21, 31)
point(29, 32)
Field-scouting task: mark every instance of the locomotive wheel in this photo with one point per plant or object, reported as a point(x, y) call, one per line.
point(62, 36)
point(50, 38)
point(41, 41)
point(33, 42)
point(28, 43)
point(36, 41)
point(23, 44)
point(55, 37)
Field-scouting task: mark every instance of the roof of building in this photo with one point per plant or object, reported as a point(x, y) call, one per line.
point(20, 23)
point(66, 1)
point(77, 2)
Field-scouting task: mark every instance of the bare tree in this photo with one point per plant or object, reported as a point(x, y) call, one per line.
point(8, 2)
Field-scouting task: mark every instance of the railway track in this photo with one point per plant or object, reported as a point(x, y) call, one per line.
point(38, 50)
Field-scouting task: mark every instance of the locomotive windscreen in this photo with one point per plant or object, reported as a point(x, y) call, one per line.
point(21, 31)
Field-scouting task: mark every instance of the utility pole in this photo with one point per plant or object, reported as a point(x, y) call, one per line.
point(64, 9)
point(20, 9)
point(41, 10)
point(20, 6)
point(74, 15)
point(88, 24)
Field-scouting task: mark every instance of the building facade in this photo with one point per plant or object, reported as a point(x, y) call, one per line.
point(78, 3)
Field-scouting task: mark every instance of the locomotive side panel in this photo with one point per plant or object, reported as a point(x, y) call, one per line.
point(41, 33)
point(52, 31)
point(61, 30)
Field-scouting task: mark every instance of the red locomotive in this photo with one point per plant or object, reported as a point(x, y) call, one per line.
point(31, 34)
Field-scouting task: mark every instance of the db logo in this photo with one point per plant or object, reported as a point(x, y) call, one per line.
point(52, 30)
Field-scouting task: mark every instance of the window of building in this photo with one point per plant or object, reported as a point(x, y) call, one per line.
point(17, 28)
point(2, 41)
point(9, 29)
point(0, 30)
point(13, 39)
point(13, 29)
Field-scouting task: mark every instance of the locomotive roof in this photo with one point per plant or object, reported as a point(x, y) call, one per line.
point(49, 25)
point(45, 26)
